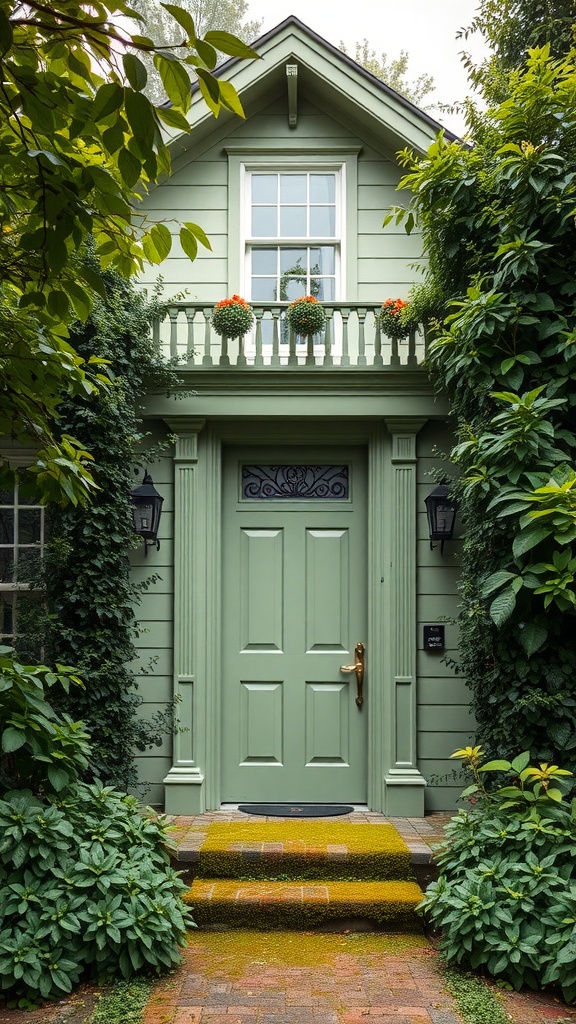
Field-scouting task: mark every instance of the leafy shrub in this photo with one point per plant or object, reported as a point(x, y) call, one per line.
point(85, 881)
point(85, 887)
point(506, 896)
point(38, 746)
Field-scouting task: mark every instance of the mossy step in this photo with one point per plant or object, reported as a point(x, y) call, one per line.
point(303, 850)
point(269, 904)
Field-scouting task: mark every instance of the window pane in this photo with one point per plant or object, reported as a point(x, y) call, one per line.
point(6, 616)
point(29, 526)
point(6, 526)
point(264, 261)
point(295, 288)
point(265, 188)
point(292, 261)
point(29, 560)
point(6, 565)
point(323, 260)
point(323, 288)
point(293, 222)
point(322, 188)
point(293, 188)
point(264, 289)
point(323, 221)
point(264, 221)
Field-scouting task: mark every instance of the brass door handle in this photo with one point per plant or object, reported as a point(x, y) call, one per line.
point(358, 669)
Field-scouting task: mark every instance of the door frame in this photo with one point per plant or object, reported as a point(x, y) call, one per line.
point(395, 786)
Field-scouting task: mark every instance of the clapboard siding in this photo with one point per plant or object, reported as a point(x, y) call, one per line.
point(444, 720)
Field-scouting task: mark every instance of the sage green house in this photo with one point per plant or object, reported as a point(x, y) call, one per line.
point(294, 541)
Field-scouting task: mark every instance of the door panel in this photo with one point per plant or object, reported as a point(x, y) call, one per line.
point(262, 589)
point(294, 607)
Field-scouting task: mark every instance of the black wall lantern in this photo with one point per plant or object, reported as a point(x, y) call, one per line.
point(441, 511)
point(146, 511)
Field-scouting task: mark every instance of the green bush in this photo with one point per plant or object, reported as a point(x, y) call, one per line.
point(85, 881)
point(39, 747)
point(505, 899)
point(85, 888)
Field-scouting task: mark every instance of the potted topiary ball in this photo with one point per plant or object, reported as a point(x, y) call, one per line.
point(232, 318)
point(394, 319)
point(306, 316)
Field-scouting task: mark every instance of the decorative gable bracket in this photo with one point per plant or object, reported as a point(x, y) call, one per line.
point(292, 83)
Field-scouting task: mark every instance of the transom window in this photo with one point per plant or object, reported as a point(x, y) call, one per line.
point(299, 212)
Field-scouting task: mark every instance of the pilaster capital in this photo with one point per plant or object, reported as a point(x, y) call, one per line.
point(403, 432)
point(186, 431)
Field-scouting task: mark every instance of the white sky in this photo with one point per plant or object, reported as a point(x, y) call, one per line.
point(425, 28)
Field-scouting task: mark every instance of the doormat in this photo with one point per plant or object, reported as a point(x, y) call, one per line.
point(296, 810)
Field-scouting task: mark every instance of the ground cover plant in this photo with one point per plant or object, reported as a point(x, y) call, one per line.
point(505, 899)
point(86, 888)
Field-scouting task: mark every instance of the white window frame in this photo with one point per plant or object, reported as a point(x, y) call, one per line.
point(341, 160)
point(336, 241)
point(15, 587)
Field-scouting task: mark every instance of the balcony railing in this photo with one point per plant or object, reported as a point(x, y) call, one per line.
point(351, 338)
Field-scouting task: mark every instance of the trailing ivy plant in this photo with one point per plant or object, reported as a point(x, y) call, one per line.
point(498, 226)
point(505, 899)
point(90, 597)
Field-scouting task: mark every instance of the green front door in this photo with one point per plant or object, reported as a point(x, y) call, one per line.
point(294, 608)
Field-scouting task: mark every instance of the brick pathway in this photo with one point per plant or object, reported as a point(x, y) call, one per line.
point(303, 978)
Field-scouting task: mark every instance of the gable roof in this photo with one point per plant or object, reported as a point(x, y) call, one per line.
point(329, 78)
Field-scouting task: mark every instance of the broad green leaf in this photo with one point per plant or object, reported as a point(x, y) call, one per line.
point(81, 299)
point(198, 233)
point(528, 539)
point(162, 240)
point(135, 71)
point(5, 33)
point(207, 53)
point(140, 114)
point(12, 739)
point(174, 79)
point(207, 96)
point(184, 19)
point(531, 637)
point(230, 98)
point(174, 118)
point(129, 166)
point(188, 243)
point(555, 794)
point(496, 580)
point(108, 98)
point(520, 762)
point(93, 279)
point(58, 304)
point(59, 777)
point(229, 44)
point(502, 607)
point(496, 766)
point(113, 137)
point(212, 84)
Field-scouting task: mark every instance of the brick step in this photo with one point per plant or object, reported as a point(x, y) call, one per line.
point(266, 905)
point(287, 850)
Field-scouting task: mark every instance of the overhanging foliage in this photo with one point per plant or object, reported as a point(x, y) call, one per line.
point(498, 223)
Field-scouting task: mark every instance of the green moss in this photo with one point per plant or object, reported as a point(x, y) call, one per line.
point(237, 850)
point(237, 953)
point(264, 905)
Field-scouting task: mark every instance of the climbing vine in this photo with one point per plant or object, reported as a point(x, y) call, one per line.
point(91, 601)
point(498, 225)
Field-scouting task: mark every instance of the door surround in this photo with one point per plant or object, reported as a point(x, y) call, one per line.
point(395, 785)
